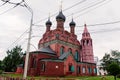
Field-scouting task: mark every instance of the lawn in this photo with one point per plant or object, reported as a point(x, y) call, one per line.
point(64, 78)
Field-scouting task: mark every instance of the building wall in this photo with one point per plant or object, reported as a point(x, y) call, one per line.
point(69, 61)
point(89, 69)
point(34, 62)
point(53, 69)
point(57, 47)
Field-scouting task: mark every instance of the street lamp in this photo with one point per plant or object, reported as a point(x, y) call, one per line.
point(28, 44)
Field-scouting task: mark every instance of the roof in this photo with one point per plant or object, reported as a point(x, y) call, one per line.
point(52, 59)
point(86, 63)
point(45, 50)
point(60, 16)
point(72, 23)
point(64, 55)
point(85, 29)
point(49, 22)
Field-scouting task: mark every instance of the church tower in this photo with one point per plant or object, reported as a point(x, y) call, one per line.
point(87, 47)
point(60, 18)
point(72, 26)
point(48, 25)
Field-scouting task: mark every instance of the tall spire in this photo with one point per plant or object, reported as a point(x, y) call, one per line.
point(87, 48)
point(85, 29)
point(60, 16)
point(61, 5)
point(85, 33)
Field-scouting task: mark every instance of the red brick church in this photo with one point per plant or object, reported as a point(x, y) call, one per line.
point(60, 53)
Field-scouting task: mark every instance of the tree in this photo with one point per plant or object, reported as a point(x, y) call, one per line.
point(108, 58)
point(114, 69)
point(106, 61)
point(1, 65)
point(14, 57)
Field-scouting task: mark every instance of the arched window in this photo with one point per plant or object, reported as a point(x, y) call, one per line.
point(83, 69)
point(57, 36)
point(88, 42)
point(83, 42)
point(34, 62)
point(89, 70)
point(61, 50)
point(70, 50)
point(78, 69)
point(76, 56)
point(71, 68)
point(95, 70)
point(43, 67)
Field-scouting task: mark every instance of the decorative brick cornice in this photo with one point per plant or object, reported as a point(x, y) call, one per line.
point(61, 42)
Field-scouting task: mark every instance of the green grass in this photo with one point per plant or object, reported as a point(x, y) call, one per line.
point(98, 78)
point(65, 78)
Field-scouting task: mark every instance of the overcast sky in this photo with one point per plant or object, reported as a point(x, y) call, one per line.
point(16, 21)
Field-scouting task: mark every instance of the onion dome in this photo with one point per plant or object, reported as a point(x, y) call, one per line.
point(49, 22)
point(72, 23)
point(60, 16)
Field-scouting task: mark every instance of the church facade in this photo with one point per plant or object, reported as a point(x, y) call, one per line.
point(61, 54)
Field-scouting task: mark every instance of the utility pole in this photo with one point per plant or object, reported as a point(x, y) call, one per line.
point(28, 44)
point(30, 32)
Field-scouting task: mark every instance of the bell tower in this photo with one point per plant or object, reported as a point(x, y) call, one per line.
point(87, 47)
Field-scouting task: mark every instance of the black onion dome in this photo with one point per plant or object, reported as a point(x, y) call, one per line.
point(60, 16)
point(72, 23)
point(48, 22)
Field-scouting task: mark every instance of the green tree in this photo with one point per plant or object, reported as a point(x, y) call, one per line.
point(14, 57)
point(108, 58)
point(1, 65)
point(106, 61)
point(114, 69)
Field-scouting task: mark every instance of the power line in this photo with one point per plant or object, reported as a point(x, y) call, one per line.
point(7, 10)
point(100, 31)
point(87, 7)
point(101, 24)
point(92, 9)
point(43, 19)
point(8, 1)
point(63, 10)
point(77, 11)
point(108, 30)
point(18, 38)
point(74, 5)
point(70, 8)
point(4, 3)
point(10, 8)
